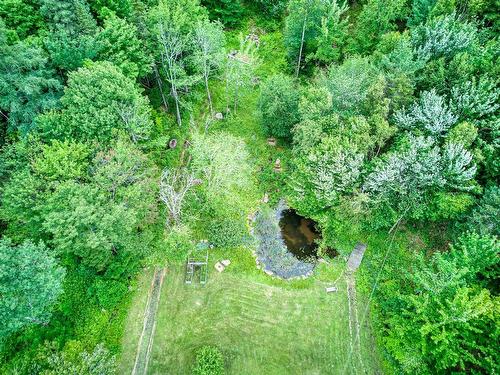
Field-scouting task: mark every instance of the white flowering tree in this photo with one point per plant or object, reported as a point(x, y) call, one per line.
point(429, 114)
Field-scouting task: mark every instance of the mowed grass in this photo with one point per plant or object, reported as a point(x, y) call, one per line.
point(262, 326)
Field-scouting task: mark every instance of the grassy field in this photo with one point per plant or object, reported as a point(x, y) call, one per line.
point(262, 325)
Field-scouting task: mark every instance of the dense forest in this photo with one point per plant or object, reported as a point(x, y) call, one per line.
point(116, 155)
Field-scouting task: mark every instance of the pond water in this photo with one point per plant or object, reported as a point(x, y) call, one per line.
point(299, 234)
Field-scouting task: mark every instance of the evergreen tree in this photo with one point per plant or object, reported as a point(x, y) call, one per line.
point(30, 283)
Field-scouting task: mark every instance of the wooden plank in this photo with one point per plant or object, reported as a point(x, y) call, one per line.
point(356, 256)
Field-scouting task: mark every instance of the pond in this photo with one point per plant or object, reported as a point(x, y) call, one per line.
point(299, 234)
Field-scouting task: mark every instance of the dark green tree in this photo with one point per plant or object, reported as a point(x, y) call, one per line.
point(30, 283)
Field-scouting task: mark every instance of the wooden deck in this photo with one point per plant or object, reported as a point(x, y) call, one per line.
point(356, 256)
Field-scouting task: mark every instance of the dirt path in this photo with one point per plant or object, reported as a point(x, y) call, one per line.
point(146, 340)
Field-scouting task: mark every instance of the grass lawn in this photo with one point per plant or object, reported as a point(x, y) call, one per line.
point(262, 325)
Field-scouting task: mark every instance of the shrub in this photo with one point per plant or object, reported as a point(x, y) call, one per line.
point(209, 361)
point(227, 232)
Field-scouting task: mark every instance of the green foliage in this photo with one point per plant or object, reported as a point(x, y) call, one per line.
point(273, 8)
point(314, 30)
point(443, 37)
point(30, 283)
point(28, 85)
point(119, 43)
point(66, 160)
point(445, 320)
point(279, 106)
point(209, 361)
point(110, 293)
point(72, 29)
point(227, 231)
point(376, 18)
point(98, 101)
point(348, 85)
point(21, 18)
point(103, 8)
point(485, 217)
point(229, 12)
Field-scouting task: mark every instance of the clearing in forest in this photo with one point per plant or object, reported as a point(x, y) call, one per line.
point(262, 325)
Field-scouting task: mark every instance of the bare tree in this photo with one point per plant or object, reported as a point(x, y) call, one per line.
point(172, 47)
point(174, 185)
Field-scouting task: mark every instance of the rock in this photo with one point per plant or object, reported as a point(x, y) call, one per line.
point(219, 116)
point(172, 143)
point(277, 165)
point(226, 262)
point(270, 273)
point(265, 199)
point(271, 141)
point(219, 267)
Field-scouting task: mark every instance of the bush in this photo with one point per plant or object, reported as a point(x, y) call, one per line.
point(110, 292)
point(209, 361)
point(278, 105)
point(227, 232)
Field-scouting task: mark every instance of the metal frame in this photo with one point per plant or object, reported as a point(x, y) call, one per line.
point(197, 260)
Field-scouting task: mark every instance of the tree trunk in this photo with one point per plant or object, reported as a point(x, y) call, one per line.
point(301, 45)
point(177, 108)
point(209, 96)
point(160, 86)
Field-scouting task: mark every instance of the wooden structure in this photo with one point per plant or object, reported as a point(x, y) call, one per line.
point(356, 257)
point(197, 264)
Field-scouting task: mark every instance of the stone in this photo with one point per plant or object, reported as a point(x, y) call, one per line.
point(265, 199)
point(271, 141)
point(172, 143)
point(277, 165)
point(226, 262)
point(219, 116)
point(219, 267)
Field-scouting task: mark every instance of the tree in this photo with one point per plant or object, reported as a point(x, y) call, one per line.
point(98, 362)
point(443, 37)
point(278, 105)
point(229, 12)
point(209, 54)
point(302, 26)
point(376, 18)
point(30, 284)
point(174, 186)
point(21, 18)
point(98, 101)
point(119, 43)
point(72, 31)
point(430, 115)
point(172, 24)
point(403, 179)
point(444, 321)
point(59, 161)
point(329, 171)
point(21, 208)
point(348, 85)
point(485, 217)
point(333, 33)
point(28, 85)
